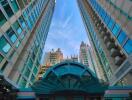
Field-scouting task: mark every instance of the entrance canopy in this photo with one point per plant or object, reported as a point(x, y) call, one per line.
point(71, 77)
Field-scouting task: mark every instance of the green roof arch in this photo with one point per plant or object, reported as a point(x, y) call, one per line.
point(68, 76)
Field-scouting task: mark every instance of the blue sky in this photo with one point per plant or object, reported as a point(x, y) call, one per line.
point(67, 29)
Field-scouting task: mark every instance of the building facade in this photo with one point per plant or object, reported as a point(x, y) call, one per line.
point(83, 54)
point(24, 25)
point(42, 71)
point(73, 58)
point(53, 57)
point(87, 57)
point(109, 27)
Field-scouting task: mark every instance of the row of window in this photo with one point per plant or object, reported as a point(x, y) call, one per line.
point(96, 43)
point(16, 33)
point(9, 8)
point(122, 7)
point(116, 30)
point(36, 50)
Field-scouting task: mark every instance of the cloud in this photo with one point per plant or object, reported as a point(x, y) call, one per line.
point(66, 30)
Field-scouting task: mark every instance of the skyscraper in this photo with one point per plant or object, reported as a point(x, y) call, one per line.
point(83, 54)
point(24, 25)
point(53, 57)
point(109, 27)
point(86, 56)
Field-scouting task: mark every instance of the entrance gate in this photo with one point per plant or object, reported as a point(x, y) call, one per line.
point(69, 81)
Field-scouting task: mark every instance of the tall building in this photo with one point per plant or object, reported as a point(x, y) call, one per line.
point(83, 54)
point(109, 26)
point(24, 26)
point(53, 57)
point(42, 71)
point(86, 56)
point(73, 58)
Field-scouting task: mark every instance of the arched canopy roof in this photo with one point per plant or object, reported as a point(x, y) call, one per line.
point(68, 76)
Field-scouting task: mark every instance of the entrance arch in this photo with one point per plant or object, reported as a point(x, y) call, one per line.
point(69, 80)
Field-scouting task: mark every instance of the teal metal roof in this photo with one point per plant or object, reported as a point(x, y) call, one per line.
point(68, 76)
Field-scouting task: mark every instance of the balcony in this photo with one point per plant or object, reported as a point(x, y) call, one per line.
point(114, 52)
point(110, 45)
point(102, 34)
point(106, 39)
point(118, 60)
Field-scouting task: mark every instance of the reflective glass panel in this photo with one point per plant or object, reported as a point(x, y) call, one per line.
point(2, 18)
point(17, 44)
point(4, 45)
point(7, 7)
point(14, 5)
point(107, 18)
point(128, 46)
point(111, 23)
point(1, 58)
point(116, 29)
point(22, 21)
point(122, 36)
point(11, 34)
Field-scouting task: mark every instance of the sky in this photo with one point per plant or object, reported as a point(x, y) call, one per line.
point(67, 29)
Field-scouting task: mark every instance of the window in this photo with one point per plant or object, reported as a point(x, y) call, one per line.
point(29, 24)
point(23, 24)
point(32, 78)
point(25, 15)
point(2, 18)
point(116, 29)
point(11, 34)
point(4, 45)
point(14, 5)
point(17, 44)
point(23, 82)
point(128, 46)
point(20, 2)
point(4, 66)
point(25, 2)
point(12, 54)
point(35, 70)
point(111, 23)
point(27, 72)
point(7, 8)
point(30, 63)
point(107, 18)
point(122, 36)
point(1, 58)
point(17, 28)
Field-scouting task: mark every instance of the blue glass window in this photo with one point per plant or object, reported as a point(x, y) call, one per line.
point(17, 44)
point(4, 45)
point(2, 18)
point(22, 21)
point(122, 36)
point(17, 28)
point(107, 18)
point(7, 7)
point(29, 24)
point(116, 29)
point(1, 58)
point(128, 46)
point(11, 34)
point(111, 23)
point(14, 5)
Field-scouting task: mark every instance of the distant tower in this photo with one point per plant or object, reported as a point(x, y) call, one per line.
point(83, 54)
point(53, 57)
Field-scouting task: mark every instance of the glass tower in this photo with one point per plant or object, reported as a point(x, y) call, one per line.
point(109, 26)
point(24, 26)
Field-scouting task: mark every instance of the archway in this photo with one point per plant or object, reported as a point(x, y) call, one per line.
point(69, 81)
